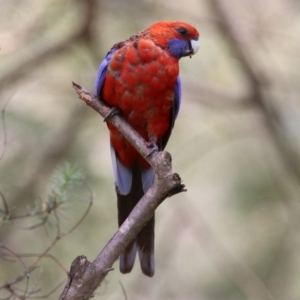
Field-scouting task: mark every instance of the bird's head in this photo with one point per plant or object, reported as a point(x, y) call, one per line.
point(179, 38)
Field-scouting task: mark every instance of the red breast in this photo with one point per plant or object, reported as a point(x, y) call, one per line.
point(140, 80)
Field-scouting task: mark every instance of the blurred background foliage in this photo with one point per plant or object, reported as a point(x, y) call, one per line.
point(235, 233)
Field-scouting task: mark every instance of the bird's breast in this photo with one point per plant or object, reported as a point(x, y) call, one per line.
point(140, 80)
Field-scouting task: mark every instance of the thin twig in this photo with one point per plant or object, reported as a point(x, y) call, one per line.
point(123, 290)
point(3, 113)
point(14, 255)
point(46, 296)
point(6, 208)
point(45, 253)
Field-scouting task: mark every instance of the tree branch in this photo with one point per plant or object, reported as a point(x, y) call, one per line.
point(85, 276)
point(259, 79)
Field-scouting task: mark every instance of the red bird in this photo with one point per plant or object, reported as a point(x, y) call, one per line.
point(140, 78)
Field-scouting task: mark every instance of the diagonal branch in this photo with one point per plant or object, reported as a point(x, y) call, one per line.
point(259, 79)
point(85, 276)
point(119, 123)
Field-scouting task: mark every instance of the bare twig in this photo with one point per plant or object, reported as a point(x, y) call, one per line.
point(6, 210)
point(4, 129)
point(123, 290)
point(12, 253)
point(50, 256)
point(46, 296)
point(10, 286)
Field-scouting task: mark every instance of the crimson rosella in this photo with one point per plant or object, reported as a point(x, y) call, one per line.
point(140, 78)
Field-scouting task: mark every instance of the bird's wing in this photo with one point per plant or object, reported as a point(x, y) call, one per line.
point(102, 71)
point(123, 175)
point(174, 114)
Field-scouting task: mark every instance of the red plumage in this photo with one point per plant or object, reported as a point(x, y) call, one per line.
point(140, 80)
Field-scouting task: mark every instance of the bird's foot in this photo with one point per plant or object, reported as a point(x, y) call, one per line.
point(151, 145)
point(112, 112)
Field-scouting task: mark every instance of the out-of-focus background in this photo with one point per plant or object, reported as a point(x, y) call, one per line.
point(236, 233)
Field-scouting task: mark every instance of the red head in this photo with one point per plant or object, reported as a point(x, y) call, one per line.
point(180, 38)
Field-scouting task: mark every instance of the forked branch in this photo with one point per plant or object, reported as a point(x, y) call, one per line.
point(85, 276)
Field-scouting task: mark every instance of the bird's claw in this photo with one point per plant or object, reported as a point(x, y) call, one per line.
point(112, 112)
point(152, 148)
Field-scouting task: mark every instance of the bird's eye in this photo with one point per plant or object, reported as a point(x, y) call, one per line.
point(182, 31)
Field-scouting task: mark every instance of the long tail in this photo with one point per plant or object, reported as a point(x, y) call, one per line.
point(144, 242)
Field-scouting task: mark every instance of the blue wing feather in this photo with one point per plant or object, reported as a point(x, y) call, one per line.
point(174, 114)
point(123, 175)
point(102, 71)
point(177, 98)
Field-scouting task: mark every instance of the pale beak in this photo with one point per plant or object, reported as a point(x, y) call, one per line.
point(193, 47)
point(195, 44)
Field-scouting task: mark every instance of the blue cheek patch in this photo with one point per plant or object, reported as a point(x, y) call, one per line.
point(178, 47)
